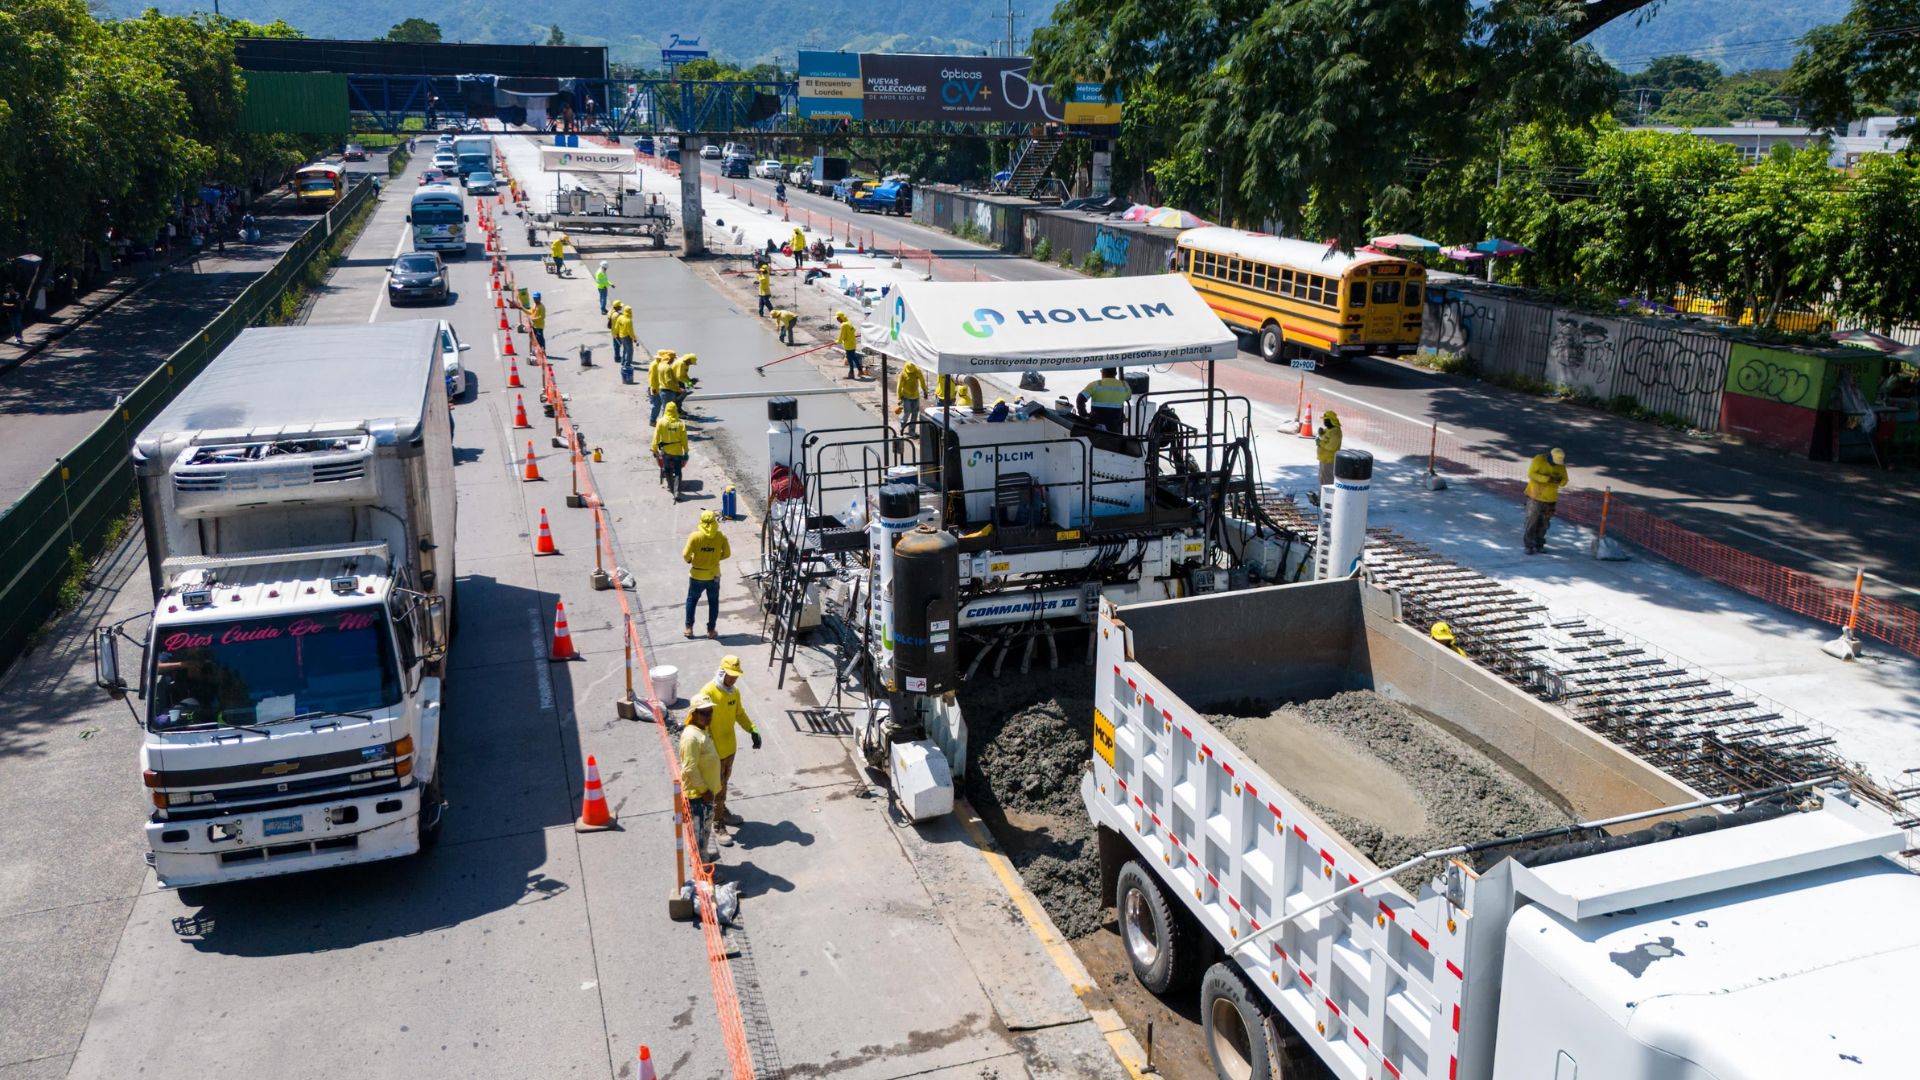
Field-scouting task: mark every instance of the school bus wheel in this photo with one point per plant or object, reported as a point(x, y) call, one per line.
point(1273, 344)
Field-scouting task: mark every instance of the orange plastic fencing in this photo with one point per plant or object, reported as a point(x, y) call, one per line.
point(726, 998)
point(1804, 594)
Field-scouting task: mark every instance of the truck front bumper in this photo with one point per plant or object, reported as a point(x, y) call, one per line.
point(239, 847)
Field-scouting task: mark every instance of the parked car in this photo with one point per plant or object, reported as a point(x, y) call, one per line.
point(481, 183)
point(734, 149)
point(892, 197)
point(417, 275)
point(450, 349)
point(797, 177)
point(433, 176)
point(771, 170)
point(845, 190)
point(354, 152)
point(710, 151)
point(735, 166)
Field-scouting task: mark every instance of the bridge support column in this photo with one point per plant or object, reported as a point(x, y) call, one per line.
point(693, 240)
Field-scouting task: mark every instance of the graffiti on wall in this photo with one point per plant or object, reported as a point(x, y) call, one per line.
point(1456, 320)
point(1771, 375)
point(1673, 373)
point(1580, 353)
point(1111, 245)
point(983, 217)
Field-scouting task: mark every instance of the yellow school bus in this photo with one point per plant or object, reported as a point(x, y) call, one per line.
point(318, 186)
point(1299, 299)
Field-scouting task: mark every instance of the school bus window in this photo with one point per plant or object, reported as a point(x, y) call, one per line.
point(1386, 292)
point(1266, 278)
point(1357, 294)
point(1237, 272)
point(1313, 289)
point(1286, 283)
point(1413, 294)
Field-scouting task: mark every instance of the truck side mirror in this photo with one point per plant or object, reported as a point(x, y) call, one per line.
point(106, 663)
point(409, 219)
point(436, 628)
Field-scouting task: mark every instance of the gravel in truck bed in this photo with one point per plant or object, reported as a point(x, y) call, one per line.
point(1390, 782)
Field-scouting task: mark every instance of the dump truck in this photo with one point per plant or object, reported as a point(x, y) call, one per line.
point(298, 507)
point(1657, 934)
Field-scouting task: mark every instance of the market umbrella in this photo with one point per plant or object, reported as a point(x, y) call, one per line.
point(1403, 242)
point(1463, 254)
point(1867, 339)
point(1168, 218)
point(1137, 212)
point(1499, 248)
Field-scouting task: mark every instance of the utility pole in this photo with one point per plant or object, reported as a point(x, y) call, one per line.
point(1012, 42)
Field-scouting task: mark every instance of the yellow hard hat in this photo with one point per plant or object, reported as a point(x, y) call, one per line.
point(840, 315)
point(691, 358)
point(700, 703)
point(1330, 417)
point(1442, 632)
point(1559, 456)
point(730, 664)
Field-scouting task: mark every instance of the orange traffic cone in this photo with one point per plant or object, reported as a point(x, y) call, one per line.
point(489, 243)
point(520, 412)
point(1306, 423)
point(563, 643)
point(543, 544)
point(533, 467)
point(646, 1065)
point(513, 376)
point(508, 351)
point(501, 303)
point(499, 200)
point(595, 818)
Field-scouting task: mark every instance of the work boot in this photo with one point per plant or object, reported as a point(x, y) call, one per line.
point(688, 632)
point(721, 836)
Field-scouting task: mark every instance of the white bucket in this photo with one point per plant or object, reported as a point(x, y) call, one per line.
point(666, 683)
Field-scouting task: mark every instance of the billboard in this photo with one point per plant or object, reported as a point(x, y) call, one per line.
point(959, 89)
point(679, 48)
point(589, 159)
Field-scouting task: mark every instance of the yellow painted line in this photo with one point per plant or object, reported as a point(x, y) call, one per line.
point(1106, 1021)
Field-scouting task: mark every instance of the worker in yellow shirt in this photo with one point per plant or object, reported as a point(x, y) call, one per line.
point(537, 323)
point(1546, 475)
point(728, 712)
point(799, 248)
point(785, 319)
point(656, 369)
point(849, 339)
point(624, 342)
point(1104, 401)
point(683, 375)
point(706, 548)
point(951, 391)
point(700, 774)
point(1327, 444)
point(558, 250)
point(670, 447)
point(911, 388)
point(763, 284)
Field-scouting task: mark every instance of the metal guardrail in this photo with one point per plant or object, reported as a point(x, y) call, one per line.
point(91, 485)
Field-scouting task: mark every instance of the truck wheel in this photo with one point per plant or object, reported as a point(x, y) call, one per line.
point(1159, 944)
point(1273, 344)
point(1244, 1039)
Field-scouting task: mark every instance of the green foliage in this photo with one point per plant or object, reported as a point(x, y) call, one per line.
point(1867, 63)
point(1094, 264)
point(1760, 242)
point(1043, 249)
point(74, 585)
point(1444, 362)
point(555, 36)
point(1872, 233)
point(1679, 91)
point(1648, 189)
point(414, 29)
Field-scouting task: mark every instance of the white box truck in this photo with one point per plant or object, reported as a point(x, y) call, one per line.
point(298, 506)
point(1762, 937)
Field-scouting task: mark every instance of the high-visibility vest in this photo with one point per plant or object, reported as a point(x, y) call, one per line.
point(1107, 393)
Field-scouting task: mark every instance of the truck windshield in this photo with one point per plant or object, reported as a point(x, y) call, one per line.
point(260, 671)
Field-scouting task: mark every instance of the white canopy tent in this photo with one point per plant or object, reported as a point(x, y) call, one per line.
point(966, 328)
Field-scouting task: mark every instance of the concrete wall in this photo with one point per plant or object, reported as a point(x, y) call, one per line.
point(944, 208)
point(1315, 639)
point(1127, 249)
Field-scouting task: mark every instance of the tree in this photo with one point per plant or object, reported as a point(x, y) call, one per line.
point(1873, 232)
point(1759, 241)
point(415, 30)
point(1646, 190)
point(1867, 62)
point(1313, 108)
point(555, 36)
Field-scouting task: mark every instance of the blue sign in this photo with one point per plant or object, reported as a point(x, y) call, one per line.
point(679, 48)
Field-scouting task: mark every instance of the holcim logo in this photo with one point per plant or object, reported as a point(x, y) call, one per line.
point(899, 316)
point(987, 318)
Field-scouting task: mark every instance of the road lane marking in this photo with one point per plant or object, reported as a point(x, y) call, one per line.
point(1381, 409)
point(380, 294)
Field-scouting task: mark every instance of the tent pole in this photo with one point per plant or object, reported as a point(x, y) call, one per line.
point(1209, 418)
point(886, 456)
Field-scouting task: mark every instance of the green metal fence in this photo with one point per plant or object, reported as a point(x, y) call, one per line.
point(92, 485)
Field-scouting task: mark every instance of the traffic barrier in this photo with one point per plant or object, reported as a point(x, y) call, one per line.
point(562, 639)
point(543, 544)
point(532, 470)
point(520, 412)
point(594, 816)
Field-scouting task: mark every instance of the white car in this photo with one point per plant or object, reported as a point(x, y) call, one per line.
point(771, 170)
point(447, 161)
point(710, 151)
point(450, 349)
point(799, 177)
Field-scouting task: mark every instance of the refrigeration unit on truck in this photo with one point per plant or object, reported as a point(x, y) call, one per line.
point(1660, 935)
point(298, 505)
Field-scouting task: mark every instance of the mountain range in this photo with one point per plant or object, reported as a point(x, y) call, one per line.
point(1737, 34)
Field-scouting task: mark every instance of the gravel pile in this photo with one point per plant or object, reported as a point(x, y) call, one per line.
point(1390, 782)
point(1030, 738)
